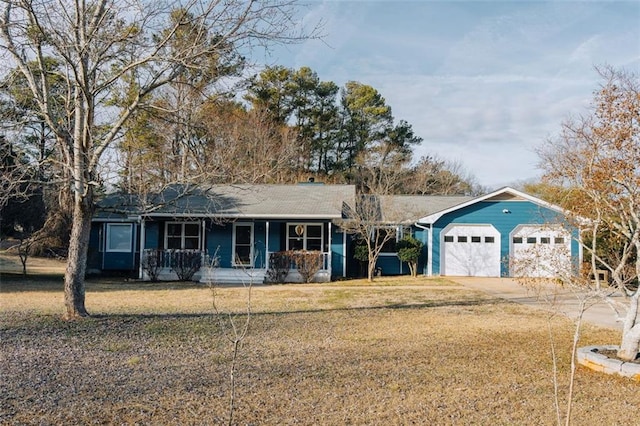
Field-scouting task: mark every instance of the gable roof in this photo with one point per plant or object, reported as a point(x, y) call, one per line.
point(301, 201)
point(502, 194)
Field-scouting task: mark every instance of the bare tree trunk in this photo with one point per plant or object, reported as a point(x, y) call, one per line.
point(371, 267)
point(74, 289)
point(631, 330)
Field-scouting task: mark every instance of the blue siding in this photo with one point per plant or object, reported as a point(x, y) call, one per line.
point(391, 265)
point(423, 236)
point(275, 232)
point(219, 240)
point(337, 252)
point(260, 243)
point(491, 212)
point(101, 260)
point(94, 253)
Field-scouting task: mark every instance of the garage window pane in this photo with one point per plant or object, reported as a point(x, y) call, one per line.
point(489, 239)
point(531, 240)
point(448, 239)
point(462, 239)
point(476, 239)
point(545, 240)
point(558, 240)
point(517, 240)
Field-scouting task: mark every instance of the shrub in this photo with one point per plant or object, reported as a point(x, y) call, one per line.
point(151, 264)
point(279, 266)
point(307, 263)
point(409, 250)
point(186, 263)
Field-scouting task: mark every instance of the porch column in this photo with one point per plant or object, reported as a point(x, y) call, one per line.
point(266, 245)
point(142, 247)
point(203, 245)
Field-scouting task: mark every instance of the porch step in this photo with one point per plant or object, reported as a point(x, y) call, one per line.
point(233, 276)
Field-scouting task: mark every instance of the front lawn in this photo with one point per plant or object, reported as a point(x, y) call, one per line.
point(409, 351)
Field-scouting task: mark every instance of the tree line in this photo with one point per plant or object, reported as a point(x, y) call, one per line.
point(279, 126)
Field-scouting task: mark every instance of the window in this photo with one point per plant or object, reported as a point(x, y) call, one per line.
point(545, 240)
point(517, 240)
point(462, 239)
point(489, 239)
point(182, 236)
point(558, 240)
point(448, 238)
point(119, 237)
point(243, 244)
point(390, 246)
point(304, 236)
point(531, 240)
point(476, 239)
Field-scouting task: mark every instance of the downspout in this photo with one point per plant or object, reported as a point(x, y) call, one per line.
point(429, 247)
point(330, 251)
point(344, 254)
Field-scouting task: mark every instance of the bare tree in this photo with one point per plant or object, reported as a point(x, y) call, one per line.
point(101, 44)
point(247, 146)
point(16, 174)
point(366, 224)
point(595, 160)
point(234, 326)
point(533, 268)
point(434, 176)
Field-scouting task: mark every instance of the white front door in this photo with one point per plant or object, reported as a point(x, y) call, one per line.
point(470, 251)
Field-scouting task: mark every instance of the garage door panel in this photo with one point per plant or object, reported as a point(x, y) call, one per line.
point(471, 250)
point(540, 251)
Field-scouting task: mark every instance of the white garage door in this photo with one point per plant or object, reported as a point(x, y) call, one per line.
point(540, 251)
point(470, 251)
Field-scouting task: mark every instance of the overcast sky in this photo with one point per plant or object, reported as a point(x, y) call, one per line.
point(482, 82)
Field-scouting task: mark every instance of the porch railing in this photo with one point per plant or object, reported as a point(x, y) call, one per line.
point(326, 261)
point(184, 263)
point(167, 258)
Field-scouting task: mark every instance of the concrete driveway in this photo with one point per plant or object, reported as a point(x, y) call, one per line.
point(551, 297)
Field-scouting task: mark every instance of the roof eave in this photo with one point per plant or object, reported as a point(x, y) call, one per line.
point(245, 216)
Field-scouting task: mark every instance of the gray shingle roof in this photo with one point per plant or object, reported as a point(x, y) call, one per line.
point(410, 208)
point(303, 201)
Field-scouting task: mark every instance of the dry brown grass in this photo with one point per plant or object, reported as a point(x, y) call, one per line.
point(406, 352)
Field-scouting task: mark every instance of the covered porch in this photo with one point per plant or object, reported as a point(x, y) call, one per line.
point(256, 251)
